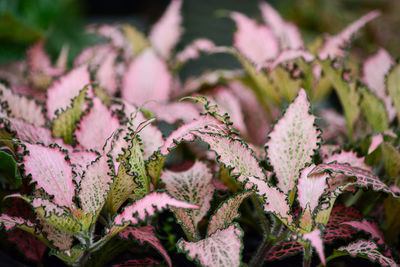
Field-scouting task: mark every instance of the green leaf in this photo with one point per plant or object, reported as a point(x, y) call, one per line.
point(374, 110)
point(286, 85)
point(65, 124)
point(347, 94)
point(393, 87)
point(137, 166)
point(154, 167)
point(9, 170)
point(70, 256)
point(12, 29)
point(135, 38)
point(391, 159)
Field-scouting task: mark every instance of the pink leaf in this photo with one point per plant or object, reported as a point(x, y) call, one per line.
point(275, 201)
point(39, 61)
point(349, 158)
point(23, 108)
point(310, 189)
point(368, 249)
point(32, 247)
point(223, 248)
point(61, 93)
point(287, 55)
point(185, 133)
point(192, 51)
point(139, 84)
point(10, 223)
point(93, 55)
point(113, 33)
point(96, 126)
point(175, 111)
point(363, 178)
point(147, 206)
point(106, 75)
point(95, 185)
point(60, 239)
point(292, 142)
point(146, 234)
point(333, 46)
point(226, 213)
point(375, 142)
point(369, 227)
point(80, 160)
point(256, 42)
point(316, 241)
point(193, 186)
point(375, 69)
point(166, 32)
point(287, 33)
point(51, 171)
point(147, 262)
point(335, 229)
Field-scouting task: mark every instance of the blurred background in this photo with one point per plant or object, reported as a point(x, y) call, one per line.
point(23, 22)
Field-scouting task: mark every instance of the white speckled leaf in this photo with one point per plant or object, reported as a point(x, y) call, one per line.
point(369, 250)
point(193, 186)
point(292, 142)
point(223, 248)
point(10, 223)
point(226, 213)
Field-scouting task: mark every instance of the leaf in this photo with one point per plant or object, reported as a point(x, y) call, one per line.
point(192, 50)
point(60, 94)
point(193, 186)
point(316, 241)
point(284, 249)
point(292, 142)
point(154, 167)
point(285, 84)
point(335, 229)
point(69, 256)
point(226, 213)
point(369, 227)
point(147, 206)
point(310, 189)
point(256, 42)
point(223, 248)
point(349, 157)
point(29, 245)
point(393, 87)
point(165, 34)
point(374, 71)
point(175, 111)
point(138, 85)
point(185, 133)
point(135, 38)
point(146, 234)
point(60, 239)
point(391, 161)
point(285, 56)
point(369, 250)
point(21, 107)
point(9, 170)
point(347, 93)
point(96, 126)
point(138, 263)
point(64, 124)
point(106, 74)
point(80, 160)
point(9, 223)
point(363, 178)
point(287, 33)
point(376, 141)
point(333, 46)
point(376, 116)
point(95, 186)
point(50, 171)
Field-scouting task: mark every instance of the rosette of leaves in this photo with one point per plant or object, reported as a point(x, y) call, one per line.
point(299, 182)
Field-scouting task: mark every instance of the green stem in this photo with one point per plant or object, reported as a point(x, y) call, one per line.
point(307, 256)
point(262, 251)
point(261, 215)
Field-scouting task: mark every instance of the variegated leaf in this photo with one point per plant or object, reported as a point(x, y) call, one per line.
point(106, 74)
point(147, 206)
point(193, 186)
point(368, 249)
point(226, 213)
point(370, 227)
point(316, 241)
point(50, 170)
point(223, 248)
point(80, 160)
point(96, 126)
point(310, 189)
point(256, 42)
point(21, 107)
point(60, 94)
point(165, 34)
point(192, 50)
point(147, 262)
point(60, 239)
point(292, 142)
point(137, 166)
point(333, 46)
point(146, 234)
point(95, 186)
point(335, 229)
point(362, 177)
point(65, 123)
point(138, 85)
point(28, 244)
point(393, 87)
point(349, 157)
point(287, 33)
point(284, 249)
point(185, 133)
point(10, 223)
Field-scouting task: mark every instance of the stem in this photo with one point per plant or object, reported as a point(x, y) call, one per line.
point(261, 215)
point(260, 257)
point(307, 256)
